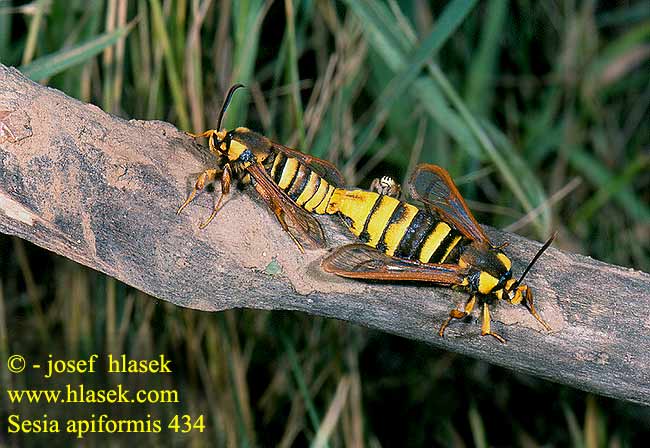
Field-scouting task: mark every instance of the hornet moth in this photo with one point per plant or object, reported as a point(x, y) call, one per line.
point(441, 243)
point(290, 182)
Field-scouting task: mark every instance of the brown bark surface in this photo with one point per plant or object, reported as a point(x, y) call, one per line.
point(103, 191)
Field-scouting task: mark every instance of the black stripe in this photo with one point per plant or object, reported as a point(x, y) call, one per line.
point(364, 236)
point(436, 256)
point(282, 161)
point(456, 252)
point(419, 228)
point(301, 186)
point(268, 162)
point(398, 214)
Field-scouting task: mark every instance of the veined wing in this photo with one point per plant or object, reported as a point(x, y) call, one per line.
point(433, 186)
point(323, 167)
point(364, 262)
point(299, 219)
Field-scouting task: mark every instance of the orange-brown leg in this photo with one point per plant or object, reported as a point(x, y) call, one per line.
point(529, 304)
point(226, 179)
point(455, 314)
point(204, 178)
point(485, 325)
point(209, 133)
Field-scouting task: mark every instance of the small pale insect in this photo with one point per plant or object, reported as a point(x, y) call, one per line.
point(386, 186)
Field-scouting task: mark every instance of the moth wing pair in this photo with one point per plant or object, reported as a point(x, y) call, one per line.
point(301, 226)
point(433, 186)
point(364, 262)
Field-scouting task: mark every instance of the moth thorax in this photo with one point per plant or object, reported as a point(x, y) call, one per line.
point(236, 149)
point(492, 264)
point(487, 283)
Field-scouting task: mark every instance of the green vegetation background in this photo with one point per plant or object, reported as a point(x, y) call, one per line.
point(540, 111)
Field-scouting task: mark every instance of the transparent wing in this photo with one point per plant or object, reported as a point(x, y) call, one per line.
point(433, 186)
point(323, 167)
point(365, 262)
point(299, 220)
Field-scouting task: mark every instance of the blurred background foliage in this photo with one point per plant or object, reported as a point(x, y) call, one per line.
point(540, 111)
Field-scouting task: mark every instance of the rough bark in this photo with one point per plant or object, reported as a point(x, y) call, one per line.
point(103, 191)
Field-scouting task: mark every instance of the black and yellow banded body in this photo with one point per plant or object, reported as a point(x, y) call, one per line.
point(397, 228)
point(293, 184)
point(401, 230)
point(441, 243)
point(303, 185)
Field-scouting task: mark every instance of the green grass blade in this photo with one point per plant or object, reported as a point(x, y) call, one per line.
point(514, 163)
point(624, 15)
point(300, 382)
point(292, 68)
point(33, 32)
point(173, 74)
point(54, 63)
point(247, 23)
point(451, 18)
point(574, 430)
point(481, 76)
point(509, 175)
point(610, 186)
point(436, 105)
point(382, 32)
point(465, 129)
point(407, 61)
point(477, 427)
point(613, 61)
point(5, 35)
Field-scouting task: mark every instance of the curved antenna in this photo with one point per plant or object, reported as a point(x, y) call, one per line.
point(226, 102)
point(535, 258)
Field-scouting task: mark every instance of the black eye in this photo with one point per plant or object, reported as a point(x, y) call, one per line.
point(503, 279)
point(227, 139)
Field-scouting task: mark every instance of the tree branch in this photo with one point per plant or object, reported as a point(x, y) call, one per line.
point(103, 191)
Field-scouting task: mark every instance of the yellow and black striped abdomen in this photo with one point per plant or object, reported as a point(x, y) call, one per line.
point(299, 182)
point(395, 227)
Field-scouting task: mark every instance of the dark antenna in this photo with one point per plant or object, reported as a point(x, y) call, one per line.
point(226, 102)
point(535, 258)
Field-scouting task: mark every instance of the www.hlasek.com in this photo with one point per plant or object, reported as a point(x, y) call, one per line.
point(80, 394)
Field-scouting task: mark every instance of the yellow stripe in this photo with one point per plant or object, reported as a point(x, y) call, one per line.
point(298, 182)
point(379, 219)
point(396, 230)
point(433, 241)
point(505, 260)
point(354, 205)
point(276, 162)
point(451, 246)
point(310, 189)
point(316, 198)
point(486, 283)
point(322, 207)
point(289, 172)
point(235, 150)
